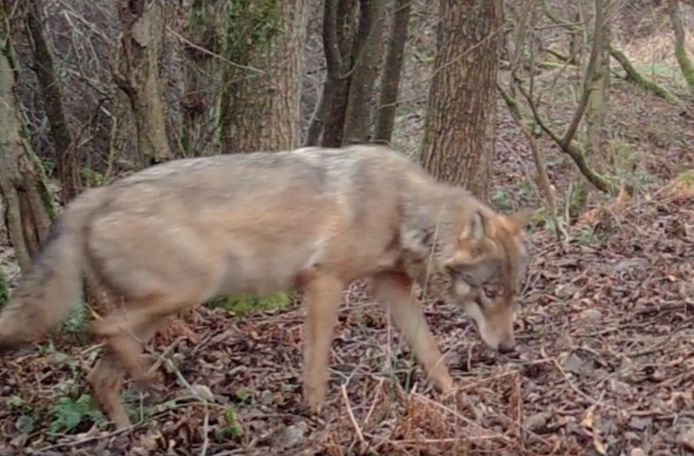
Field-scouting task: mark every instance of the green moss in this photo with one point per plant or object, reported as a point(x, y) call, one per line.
point(687, 177)
point(686, 65)
point(637, 78)
point(241, 303)
point(251, 27)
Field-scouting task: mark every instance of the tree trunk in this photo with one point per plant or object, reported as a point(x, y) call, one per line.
point(27, 200)
point(195, 104)
point(67, 159)
point(390, 81)
point(367, 54)
point(459, 133)
point(683, 59)
point(136, 73)
point(596, 110)
point(353, 54)
point(260, 110)
point(339, 42)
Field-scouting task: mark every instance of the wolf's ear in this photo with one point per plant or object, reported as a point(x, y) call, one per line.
point(469, 241)
point(520, 218)
point(476, 229)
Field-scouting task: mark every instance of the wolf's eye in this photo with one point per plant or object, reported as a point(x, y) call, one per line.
point(492, 289)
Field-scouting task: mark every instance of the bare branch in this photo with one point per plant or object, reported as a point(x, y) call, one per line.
point(573, 149)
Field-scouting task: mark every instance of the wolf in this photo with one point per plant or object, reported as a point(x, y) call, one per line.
point(314, 219)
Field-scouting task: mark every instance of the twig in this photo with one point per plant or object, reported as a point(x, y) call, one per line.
point(577, 389)
point(373, 404)
point(343, 390)
point(212, 54)
point(94, 438)
point(656, 346)
point(205, 431)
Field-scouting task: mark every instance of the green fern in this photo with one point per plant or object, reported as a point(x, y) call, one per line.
point(68, 413)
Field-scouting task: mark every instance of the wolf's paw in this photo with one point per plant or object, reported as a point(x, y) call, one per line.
point(147, 380)
point(314, 402)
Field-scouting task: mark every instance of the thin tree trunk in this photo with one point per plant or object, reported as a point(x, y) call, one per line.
point(27, 200)
point(596, 111)
point(459, 132)
point(333, 60)
point(261, 110)
point(67, 159)
point(392, 71)
point(683, 59)
point(367, 54)
point(342, 44)
point(136, 73)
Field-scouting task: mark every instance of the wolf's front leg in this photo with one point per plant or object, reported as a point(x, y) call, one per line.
point(322, 295)
point(394, 290)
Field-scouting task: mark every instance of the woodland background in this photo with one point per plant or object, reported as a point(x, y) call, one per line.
point(583, 109)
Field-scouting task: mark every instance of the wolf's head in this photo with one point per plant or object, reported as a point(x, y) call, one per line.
point(487, 271)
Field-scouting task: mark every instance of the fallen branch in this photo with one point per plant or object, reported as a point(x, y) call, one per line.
point(638, 79)
point(573, 150)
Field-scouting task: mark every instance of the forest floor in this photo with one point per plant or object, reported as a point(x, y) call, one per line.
point(605, 365)
point(605, 362)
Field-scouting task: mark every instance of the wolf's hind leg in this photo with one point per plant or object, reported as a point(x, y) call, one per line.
point(127, 328)
point(123, 352)
point(106, 380)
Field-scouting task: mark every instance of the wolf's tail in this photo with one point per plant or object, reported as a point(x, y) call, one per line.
point(53, 284)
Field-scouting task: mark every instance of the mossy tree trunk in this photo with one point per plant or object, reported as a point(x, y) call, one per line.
point(596, 111)
point(683, 59)
point(136, 71)
point(634, 76)
point(461, 119)
point(27, 200)
point(67, 158)
point(202, 30)
point(260, 100)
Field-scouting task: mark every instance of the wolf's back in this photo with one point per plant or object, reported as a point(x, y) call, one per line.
point(53, 284)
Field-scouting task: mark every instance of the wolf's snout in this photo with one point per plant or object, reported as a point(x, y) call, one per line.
point(507, 346)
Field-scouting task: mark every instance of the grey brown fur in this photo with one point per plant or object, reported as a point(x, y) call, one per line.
point(180, 233)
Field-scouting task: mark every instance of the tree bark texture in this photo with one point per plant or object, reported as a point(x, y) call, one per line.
point(67, 160)
point(596, 111)
point(367, 55)
point(458, 143)
point(260, 102)
point(338, 41)
point(202, 30)
point(27, 200)
point(353, 52)
point(136, 73)
point(392, 71)
point(683, 59)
